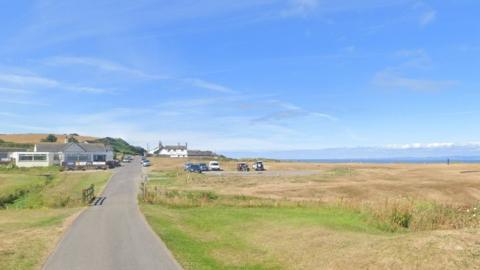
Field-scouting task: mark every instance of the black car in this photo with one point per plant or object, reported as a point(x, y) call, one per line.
point(70, 165)
point(203, 167)
point(194, 168)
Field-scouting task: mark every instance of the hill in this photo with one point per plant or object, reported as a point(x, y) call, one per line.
point(120, 146)
point(32, 138)
point(28, 140)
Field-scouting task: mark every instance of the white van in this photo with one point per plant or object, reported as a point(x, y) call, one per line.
point(214, 166)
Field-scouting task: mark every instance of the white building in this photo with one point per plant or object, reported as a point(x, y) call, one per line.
point(173, 151)
point(47, 154)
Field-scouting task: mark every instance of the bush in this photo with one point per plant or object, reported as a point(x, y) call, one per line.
point(50, 138)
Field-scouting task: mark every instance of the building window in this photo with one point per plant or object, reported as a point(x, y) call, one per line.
point(25, 157)
point(77, 157)
point(40, 157)
point(32, 157)
point(99, 158)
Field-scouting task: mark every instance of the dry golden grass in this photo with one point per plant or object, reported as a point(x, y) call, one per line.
point(318, 248)
point(428, 197)
point(37, 138)
point(454, 184)
point(27, 236)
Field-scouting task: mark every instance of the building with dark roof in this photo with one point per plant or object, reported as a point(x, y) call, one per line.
point(173, 151)
point(47, 154)
point(200, 153)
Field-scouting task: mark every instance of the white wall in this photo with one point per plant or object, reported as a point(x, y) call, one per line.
point(174, 153)
point(33, 163)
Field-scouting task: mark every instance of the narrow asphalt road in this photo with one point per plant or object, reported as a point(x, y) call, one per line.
point(113, 235)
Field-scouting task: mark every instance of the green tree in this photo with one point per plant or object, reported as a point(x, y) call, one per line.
point(50, 138)
point(72, 139)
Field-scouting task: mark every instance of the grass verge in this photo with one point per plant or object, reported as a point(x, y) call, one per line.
point(35, 205)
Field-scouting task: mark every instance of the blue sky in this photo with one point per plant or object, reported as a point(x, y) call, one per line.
point(243, 75)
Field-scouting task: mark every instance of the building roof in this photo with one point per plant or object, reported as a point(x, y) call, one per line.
point(60, 147)
point(50, 147)
point(174, 147)
point(199, 153)
point(12, 149)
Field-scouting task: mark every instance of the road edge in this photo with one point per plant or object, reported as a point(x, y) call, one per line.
point(62, 237)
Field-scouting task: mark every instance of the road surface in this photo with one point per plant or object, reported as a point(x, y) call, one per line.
point(113, 235)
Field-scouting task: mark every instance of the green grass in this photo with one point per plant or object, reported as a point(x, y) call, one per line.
point(65, 190)
point(16, 183)
point(37, 202)
point(198, 236)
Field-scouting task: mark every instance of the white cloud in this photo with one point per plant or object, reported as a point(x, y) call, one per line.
point(420, 145)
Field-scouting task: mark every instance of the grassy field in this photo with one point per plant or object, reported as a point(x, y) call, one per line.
point(409, 218)
point(37, 138)
point(36, 205)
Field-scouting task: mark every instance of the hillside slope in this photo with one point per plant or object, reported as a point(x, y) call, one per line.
point(32, 138)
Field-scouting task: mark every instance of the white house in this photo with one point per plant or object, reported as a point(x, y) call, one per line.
point(7, 153)
point(173, 151)
point(34, 159)
point(47, 154)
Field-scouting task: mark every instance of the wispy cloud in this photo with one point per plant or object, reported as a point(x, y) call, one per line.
point(101, 64)
point(14, 91)
point(395, 81)
point(301, 7)
point(428, 17)
point(399, 76)
point(288, 111)
point(22, 102)
point(27, 80)
point(112, 67)
point(209, 86)
point(34, 82)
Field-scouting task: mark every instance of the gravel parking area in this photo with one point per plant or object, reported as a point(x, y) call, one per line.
point(264, 173)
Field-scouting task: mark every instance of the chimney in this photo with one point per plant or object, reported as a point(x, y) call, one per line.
point(66, 139)
point(186, 145)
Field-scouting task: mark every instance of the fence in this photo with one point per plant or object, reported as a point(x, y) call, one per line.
point(88, 194)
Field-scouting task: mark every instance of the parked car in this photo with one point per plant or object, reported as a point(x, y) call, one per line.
point(126, 160)
point(214, 166)
point(203, 167)
point(112, 164)
point(194, 168)
point(187, 166)
point(146, 163)
point(258, 166)
point(242, 167)
point(69, 165)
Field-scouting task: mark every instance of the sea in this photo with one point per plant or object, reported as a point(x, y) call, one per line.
point(426, 160)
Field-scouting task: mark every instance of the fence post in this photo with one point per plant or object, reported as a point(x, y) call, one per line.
point(87, 194)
